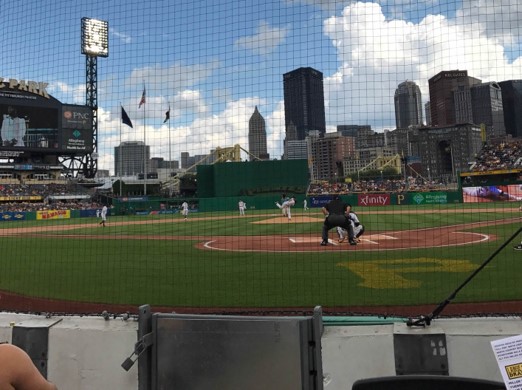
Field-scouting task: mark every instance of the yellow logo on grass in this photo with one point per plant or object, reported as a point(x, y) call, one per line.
point(386, 274)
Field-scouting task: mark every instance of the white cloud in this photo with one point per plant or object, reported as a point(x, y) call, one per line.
point(265, 40)
point(499, 19)
point(188, 101)
point(226, 129)
point(121, 36)
point(376, 54)
point(275, 132)
point(67, 93)
point(198, 137)
point(173, 78)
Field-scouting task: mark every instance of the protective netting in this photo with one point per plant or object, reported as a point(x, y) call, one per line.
point(409, 111)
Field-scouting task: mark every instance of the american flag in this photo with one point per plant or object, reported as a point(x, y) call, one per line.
point(142, 101)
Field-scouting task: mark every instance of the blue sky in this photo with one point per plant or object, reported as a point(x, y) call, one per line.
point(213, 62)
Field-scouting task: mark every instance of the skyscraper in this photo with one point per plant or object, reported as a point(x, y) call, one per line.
point(408, 105)
point(450, 97)
point(486, 103)
point(128, 158)
point(304, 101)
point(427, 112)
point(512, 101)
point(257, 137)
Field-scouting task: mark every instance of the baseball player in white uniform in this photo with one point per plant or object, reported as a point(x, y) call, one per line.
point(103, 215)
point(184, 209)
point(242, 207)
point(358, 227)
point(286, 206)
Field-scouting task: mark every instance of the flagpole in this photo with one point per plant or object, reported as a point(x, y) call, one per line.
point(121, 162)
point(170, 146)
point(142, 103)
point(144, 153)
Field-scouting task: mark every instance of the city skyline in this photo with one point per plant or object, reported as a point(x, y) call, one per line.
point(213, 63)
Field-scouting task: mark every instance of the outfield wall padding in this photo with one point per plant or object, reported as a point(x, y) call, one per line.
point(252, 178)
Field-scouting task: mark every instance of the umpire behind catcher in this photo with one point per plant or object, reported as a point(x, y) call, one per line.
point(336, 215)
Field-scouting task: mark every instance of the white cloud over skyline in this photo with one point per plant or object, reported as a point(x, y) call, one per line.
point(374, 55)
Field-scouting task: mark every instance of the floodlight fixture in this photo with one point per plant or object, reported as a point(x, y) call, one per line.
point(95, 37)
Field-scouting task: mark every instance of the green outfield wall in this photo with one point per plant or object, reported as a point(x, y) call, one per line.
point(264, 202)
point(252, 178)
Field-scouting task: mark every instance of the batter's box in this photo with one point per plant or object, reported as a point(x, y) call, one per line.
point(370, 239)
point(309, 240)
point(375, 238)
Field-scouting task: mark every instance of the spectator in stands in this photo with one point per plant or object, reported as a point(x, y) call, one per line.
point(504, 155)
point(17, 371)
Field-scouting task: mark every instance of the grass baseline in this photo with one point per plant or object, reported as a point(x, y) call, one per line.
point(175, 273)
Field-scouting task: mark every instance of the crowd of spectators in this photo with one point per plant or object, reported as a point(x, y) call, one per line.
point(42, 206)
point(14, 198)
point(323, 188)
point(504, 155)
point(377, 185)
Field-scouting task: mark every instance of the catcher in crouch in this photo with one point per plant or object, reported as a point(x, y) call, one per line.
point(357, 226)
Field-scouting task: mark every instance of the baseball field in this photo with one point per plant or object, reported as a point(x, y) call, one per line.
point(408, 259)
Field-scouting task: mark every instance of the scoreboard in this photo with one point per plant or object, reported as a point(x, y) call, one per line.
point(33, 121)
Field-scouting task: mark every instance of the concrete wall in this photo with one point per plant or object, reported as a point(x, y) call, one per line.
point(87, 352)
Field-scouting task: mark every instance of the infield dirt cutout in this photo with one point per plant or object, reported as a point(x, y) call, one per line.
point(437, 237)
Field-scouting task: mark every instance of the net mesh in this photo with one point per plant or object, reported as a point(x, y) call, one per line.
point(410, 111)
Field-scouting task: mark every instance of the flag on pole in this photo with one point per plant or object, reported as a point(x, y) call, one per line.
point(167, 116)
point(125, 118)
point(142, 101)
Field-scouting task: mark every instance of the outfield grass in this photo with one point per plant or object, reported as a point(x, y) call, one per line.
point(78, 265)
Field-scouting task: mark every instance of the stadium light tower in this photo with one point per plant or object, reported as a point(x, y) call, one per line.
point(95, 43)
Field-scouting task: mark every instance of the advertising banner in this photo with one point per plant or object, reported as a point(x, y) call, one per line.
point(53, 214)
point(429, 198)
point(320, 201)
point(11, 216)
point(23, 198)
point(76, 140)
point(373, 200)
point(76, 134)
point(507, 193)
